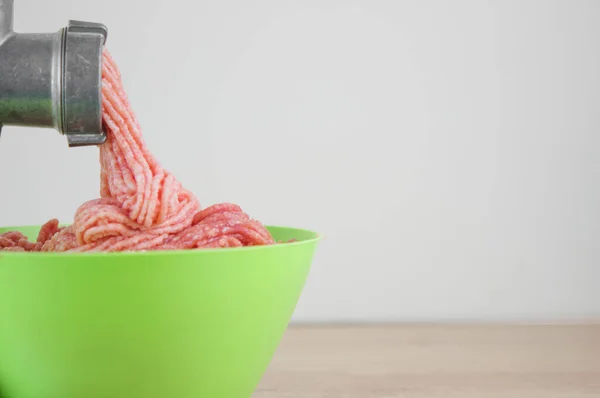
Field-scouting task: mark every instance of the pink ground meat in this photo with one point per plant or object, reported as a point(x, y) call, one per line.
point(141, 206)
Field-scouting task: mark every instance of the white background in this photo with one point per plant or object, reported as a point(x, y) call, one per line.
point(448, 150)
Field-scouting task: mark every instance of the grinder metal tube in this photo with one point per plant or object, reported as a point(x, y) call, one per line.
point(6, 18)
point(52, 79)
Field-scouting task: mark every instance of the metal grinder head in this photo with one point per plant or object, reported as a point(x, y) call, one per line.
point(53, 79)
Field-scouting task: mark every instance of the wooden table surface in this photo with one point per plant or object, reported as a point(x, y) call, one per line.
point(435, 362)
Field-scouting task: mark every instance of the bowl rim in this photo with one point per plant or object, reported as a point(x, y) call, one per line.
point(183, 252)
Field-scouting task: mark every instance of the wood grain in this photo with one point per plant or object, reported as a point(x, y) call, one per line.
point(436, 362)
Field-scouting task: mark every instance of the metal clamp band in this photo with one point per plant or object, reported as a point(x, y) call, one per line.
point(81, 94)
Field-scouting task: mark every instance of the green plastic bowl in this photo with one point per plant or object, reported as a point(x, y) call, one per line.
point(184, 324)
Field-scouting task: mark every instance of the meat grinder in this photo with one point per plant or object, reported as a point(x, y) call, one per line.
point(52, 80)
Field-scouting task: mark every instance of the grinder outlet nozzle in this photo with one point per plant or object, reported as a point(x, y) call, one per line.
point(53, 79)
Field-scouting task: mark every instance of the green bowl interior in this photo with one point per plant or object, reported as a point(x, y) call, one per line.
point(195, 323)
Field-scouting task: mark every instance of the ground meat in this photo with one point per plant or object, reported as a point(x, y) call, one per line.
point(141, 206)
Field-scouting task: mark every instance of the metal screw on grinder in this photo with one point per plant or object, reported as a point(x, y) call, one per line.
point(53, 79)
